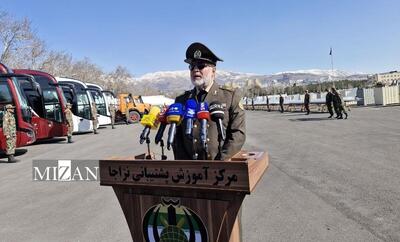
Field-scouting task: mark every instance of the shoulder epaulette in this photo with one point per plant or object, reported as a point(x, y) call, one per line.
point(231, 89)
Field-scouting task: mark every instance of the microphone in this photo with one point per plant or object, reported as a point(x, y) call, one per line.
point(162, 119)
point(203, 115)
point(190, 114)
point(149, 121)
point(217, 115)
point(174, 117)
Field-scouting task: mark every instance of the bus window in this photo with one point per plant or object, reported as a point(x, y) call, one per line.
point(52, 105)
point(83, 106)
point(100, 102)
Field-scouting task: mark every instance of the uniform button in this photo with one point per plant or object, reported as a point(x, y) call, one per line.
point(195, 140)
point(208, 126)
point(195, 126)
point(208, 139)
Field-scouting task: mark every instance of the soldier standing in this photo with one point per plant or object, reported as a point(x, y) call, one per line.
point(70, 121)
point(94, 118)
point(328, 101)
point(281, 101)
point(10, 132)
point(202, 64)
point(307, 102)
point(127, 115)
point(111, 108)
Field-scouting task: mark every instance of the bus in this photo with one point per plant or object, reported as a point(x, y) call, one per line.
point(104, 116)
point(76, 93)
point(11, 93)
point(48, 104)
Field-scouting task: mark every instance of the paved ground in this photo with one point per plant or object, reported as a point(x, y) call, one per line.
point(328, 180)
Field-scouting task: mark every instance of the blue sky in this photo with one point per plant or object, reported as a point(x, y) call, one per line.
point(251, 36)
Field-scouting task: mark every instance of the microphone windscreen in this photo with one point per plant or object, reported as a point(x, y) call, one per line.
point(190, 109)
point(174, 118)
point(175, 113)
point(216, 111)
point(150, 119)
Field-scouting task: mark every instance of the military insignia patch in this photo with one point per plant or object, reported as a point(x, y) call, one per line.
point(197, 54)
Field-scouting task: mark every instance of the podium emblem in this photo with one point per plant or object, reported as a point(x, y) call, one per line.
point(169, 221)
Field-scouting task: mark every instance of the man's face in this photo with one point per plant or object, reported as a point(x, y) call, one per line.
point(202, 74)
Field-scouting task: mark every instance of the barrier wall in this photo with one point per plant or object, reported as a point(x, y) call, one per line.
point(386, 95)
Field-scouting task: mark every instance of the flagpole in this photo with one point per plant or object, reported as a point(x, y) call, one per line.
point(331, 60)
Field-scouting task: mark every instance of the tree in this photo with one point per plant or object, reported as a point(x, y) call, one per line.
point(20, 47)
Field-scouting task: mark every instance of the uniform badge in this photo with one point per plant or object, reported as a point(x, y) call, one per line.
point(197, 54)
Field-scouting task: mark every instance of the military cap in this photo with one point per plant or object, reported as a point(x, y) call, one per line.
point(9, 106)
point(199, 52)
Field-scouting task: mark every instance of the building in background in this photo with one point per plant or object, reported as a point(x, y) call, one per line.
point(386, 79)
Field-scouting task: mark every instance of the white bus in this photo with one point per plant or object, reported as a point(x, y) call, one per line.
point(103, 112)
point(76, 93)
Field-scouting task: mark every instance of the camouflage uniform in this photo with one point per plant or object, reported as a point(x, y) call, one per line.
point(70, 122)
point(234, 124)
point(112, 112)
point(127, 115)
point(94, 118)
point(10, 132)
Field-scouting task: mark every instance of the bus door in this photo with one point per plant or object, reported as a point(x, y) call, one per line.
point(34, 95)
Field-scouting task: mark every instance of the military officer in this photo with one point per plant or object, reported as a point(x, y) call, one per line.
point(202, 64)
point(70, 121)
point(94, 118)
point(111, 108)
point(10, 132)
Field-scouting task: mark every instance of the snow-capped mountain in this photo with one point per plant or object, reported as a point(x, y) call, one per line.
point(173, 81)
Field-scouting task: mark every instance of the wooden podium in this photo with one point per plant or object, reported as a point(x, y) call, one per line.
point(192, 201)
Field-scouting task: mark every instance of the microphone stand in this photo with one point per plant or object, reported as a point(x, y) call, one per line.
point(163, 156)
point(148, 157)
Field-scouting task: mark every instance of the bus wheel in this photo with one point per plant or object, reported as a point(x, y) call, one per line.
point(134, 116)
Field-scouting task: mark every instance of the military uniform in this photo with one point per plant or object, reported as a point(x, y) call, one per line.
point(328, 101)
point(127, 115)
point(233, 122)
point(94, 118)
point(10, 132)
point(281, 101)
point(70, 122)
point(111, 108)
point(338, 105)
point(307, 103)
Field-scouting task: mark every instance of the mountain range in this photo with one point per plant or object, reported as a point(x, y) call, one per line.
point(175, 81)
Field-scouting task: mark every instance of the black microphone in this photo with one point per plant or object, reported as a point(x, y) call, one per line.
point(217, 115)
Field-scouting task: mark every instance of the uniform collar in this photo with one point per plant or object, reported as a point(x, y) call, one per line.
point(212, 90)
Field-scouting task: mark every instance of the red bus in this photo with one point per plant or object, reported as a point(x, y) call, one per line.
point(48, 104)
point(11, 93)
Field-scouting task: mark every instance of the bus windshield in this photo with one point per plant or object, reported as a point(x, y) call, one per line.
point(5, 98)
point(100, 102)
point(25, 109)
